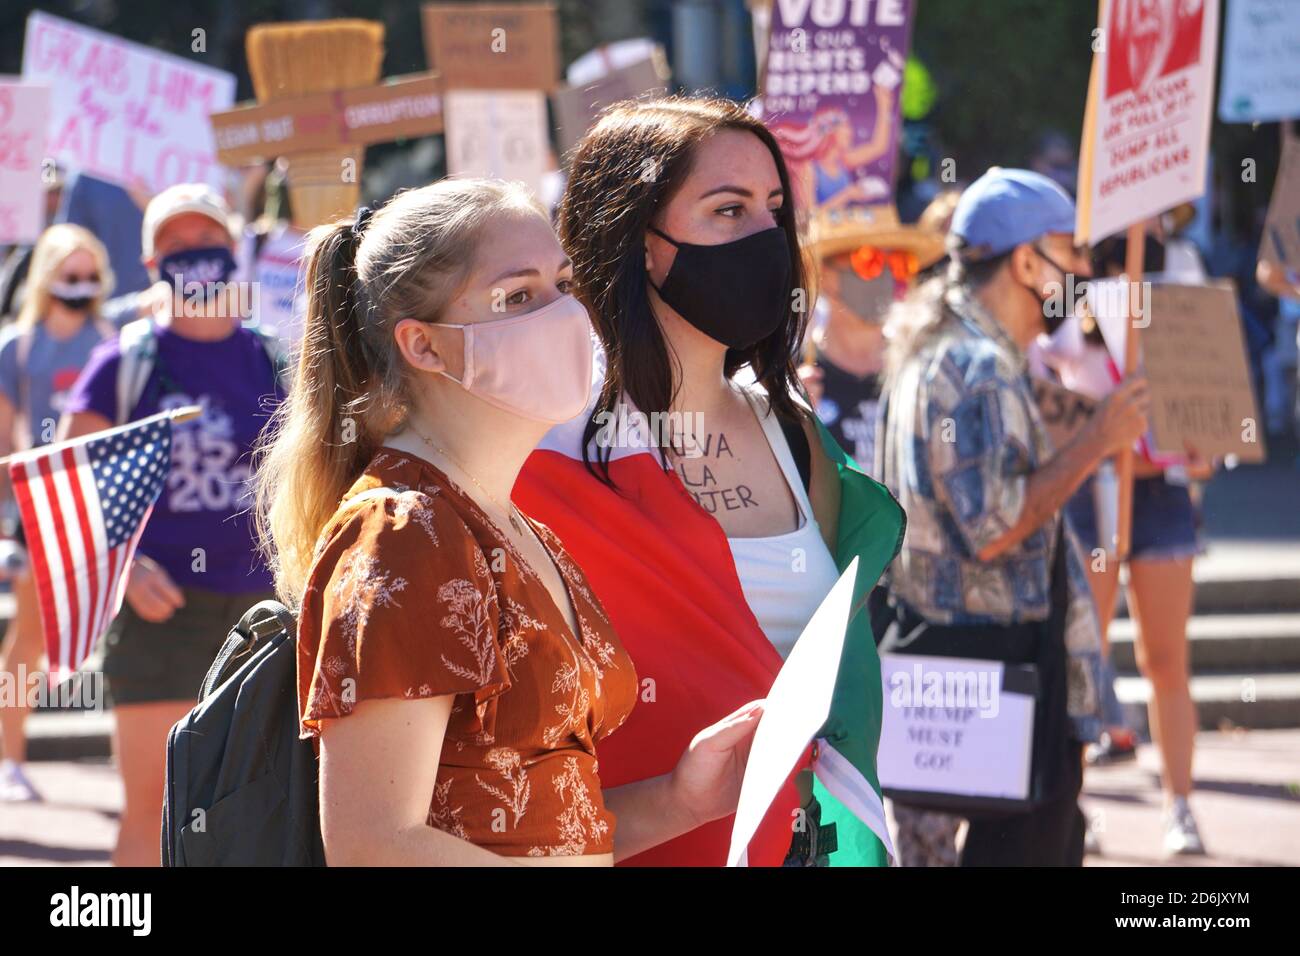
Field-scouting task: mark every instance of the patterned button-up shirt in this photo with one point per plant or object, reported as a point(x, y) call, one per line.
point(961, 438)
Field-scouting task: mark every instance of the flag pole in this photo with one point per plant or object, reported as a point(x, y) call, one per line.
point(1134, 265)
point(175, 415)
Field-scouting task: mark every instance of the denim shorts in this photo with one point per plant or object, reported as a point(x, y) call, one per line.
point(1164, 520)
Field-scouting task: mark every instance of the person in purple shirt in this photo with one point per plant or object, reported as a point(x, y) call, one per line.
point(197, 568)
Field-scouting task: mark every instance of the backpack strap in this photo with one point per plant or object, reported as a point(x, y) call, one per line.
point(22, 414)
point(139, 348)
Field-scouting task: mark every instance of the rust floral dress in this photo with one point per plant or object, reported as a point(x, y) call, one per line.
point(415, 593)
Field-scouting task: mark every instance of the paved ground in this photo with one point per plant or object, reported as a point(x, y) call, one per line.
point(1248, 803)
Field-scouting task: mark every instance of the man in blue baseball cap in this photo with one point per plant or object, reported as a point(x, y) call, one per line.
point(988, 569)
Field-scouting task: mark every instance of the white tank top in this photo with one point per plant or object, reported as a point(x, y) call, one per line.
point(785, 576)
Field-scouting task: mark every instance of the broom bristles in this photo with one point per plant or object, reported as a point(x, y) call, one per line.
point(288, 59)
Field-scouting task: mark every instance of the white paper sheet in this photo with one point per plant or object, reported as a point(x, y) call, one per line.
point(795, 709)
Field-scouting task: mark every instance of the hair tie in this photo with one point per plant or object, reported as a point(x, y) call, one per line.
point(363, 217)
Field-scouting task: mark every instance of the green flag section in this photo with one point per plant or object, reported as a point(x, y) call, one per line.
point(871, 527)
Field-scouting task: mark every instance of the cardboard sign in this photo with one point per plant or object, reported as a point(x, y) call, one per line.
point(492, 46)
point(1280, 243)
point(498, 134)
point(1261, 62)
point(831, 94)
point(400, 108)
point(23, 110)
point(123, 111)
point(1147, 123)
point(1194, 356)
point(955, 726)
point(1063, 411)
point(576, 107)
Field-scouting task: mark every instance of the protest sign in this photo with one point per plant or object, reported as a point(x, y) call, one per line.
point(794, 710)
point(955, 729)
point(1194, 356)
point(576, 107)
point(492, 46)
point(123, 111)
point(1281, 239)
point(274, 262)
point(400, 108)
point(1063, 412)
point(1147, 123)
point(500, 134)
point(1261, 61)
point(23, 110)
point(831, 87)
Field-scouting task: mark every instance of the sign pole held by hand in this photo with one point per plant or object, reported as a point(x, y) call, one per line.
point(1134, 265)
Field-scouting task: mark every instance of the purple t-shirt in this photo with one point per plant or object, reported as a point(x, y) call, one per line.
point(205, 503)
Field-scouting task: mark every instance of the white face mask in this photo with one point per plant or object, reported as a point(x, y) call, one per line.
point(537, 365)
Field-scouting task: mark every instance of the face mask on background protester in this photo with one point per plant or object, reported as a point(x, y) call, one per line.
point(208, 265)
point(736, 292)
point(537, 365)
point(76, 295)
point(1055, 314)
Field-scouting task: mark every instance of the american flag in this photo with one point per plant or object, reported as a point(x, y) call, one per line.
point(84, 504)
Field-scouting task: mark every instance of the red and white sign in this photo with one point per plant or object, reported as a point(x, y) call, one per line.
point(1147, 126)
point(123, 111)
point(23, 108)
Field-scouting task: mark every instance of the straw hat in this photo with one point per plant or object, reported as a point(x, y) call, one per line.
point(876, 226)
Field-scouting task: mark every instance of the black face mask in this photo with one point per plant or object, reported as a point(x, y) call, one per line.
point(1054, 318)
point(76, 304)
point(737, 292)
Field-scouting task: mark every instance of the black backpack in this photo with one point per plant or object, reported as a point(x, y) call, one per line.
point(241, 786)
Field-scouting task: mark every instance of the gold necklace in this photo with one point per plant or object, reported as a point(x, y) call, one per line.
point(509, 512)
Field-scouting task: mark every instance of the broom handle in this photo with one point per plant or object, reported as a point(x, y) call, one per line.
point(1133, 269)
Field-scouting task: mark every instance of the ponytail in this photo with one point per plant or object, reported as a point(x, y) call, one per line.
point(350, 388)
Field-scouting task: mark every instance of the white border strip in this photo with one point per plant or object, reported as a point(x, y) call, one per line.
point(847, 784)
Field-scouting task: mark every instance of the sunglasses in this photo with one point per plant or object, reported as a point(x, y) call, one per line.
point(74, 279)
point(869, 262)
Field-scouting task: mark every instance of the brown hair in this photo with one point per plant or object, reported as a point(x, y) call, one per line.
point(351, 387)
point(631, 163)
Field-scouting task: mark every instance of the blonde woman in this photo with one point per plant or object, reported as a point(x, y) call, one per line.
point(455, 668)
point(41, 354)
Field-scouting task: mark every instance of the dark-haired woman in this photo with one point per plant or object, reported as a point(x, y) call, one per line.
point(710, 511)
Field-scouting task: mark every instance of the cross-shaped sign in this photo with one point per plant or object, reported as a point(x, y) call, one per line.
point(320, 112)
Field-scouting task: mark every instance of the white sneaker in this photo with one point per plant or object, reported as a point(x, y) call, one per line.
point(14, 785)
point(1182, 838)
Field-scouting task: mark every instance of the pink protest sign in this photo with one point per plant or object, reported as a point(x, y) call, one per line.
point(23, 108)
point(122, 111)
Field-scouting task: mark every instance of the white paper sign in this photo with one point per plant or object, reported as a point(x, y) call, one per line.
point(1147, 125)
point(949, 727)
point(23, 108)
point(795, 709)
point(122, 111)
point(1261, 62)
point(499, 134)
point(280, 304)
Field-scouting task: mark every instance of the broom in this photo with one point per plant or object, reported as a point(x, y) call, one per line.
point(292, 59)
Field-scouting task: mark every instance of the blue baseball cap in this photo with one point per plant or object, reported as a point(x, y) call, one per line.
point(1006, 207)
